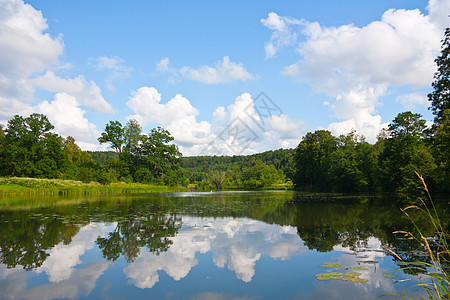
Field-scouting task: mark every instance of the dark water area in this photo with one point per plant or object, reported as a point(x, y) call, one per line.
point(224, 245)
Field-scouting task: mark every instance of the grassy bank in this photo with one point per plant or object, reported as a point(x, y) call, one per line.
point(10, 186)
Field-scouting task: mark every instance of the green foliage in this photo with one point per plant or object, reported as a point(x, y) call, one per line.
point(114, 135)
point(440, 97)
point(435, 246)
point(141, 158)
point(26, 186)
point(405, 151)
point(440, 106)
point(440, 147)
point(312, 160)
point(29, 149)
point(350, 164)
point(267, 170)
point(102, 158)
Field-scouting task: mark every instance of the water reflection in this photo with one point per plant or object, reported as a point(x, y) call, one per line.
point(255, 244)
point(234, 243)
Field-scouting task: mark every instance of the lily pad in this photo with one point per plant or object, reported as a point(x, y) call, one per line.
point(331, 265)
point(347, 278)
point(390, 275)
point(331, 275)
point(359, 280)
point(335, 274)
point(352, 274)
point(359, 268)
point(323, 276)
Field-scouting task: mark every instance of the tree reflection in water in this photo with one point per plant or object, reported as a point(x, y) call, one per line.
point(141, 221)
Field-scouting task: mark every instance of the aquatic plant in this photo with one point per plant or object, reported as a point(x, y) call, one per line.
point(10, 186)
point(359, 268)
point(349, 276)
point(331, 265)
point(438, 252)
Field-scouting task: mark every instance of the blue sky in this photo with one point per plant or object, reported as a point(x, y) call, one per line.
point(196, 68)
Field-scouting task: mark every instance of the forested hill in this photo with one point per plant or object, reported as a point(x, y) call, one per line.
point(198, 167)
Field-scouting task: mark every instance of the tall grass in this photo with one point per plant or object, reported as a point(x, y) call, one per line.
point(11, 186)
point(438, 271)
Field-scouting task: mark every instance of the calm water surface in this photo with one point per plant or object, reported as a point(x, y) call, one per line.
point(228, 245)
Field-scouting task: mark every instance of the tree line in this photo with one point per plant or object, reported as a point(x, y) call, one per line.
point(257, 171)
point(29, 148)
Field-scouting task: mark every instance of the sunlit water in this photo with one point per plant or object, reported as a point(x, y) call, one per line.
point(198, 246)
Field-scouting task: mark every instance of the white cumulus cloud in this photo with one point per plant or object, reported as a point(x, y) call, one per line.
point(244, 127)
point(224, 71)
point(27, 52)
point(69, 119)
point(177, 115)
point(283, 34)
point(86, 92)
point(163, 65)
point(117, 69)
point(25, 48)
point(412, 100)
point(357, 65)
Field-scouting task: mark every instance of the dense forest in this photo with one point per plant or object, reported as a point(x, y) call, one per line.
point(321, 161)
point(271, 169)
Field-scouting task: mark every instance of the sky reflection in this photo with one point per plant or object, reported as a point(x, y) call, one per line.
point(256, 254)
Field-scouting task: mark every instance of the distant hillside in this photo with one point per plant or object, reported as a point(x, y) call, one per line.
point(103, 157)
point(197, 167)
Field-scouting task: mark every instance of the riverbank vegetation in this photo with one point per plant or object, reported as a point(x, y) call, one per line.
point(13, 186)
point(29, 148)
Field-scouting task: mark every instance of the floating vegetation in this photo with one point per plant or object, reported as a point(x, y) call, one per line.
point(331, 265)
point(352, 274)
point(335, 275)
point(349, 276)
point(323, 276)
point(327, 276)
point(358, 280)
point(359, 268)
point(390, 275)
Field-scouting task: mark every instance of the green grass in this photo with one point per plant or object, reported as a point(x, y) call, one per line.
point(11, 186)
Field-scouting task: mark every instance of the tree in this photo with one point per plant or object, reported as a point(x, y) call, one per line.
point(30, 148)
point(218, 179)
point(132, 136)
point(312, 160)
point(404, 152)
point(114, 134)
point(440, 106)
point(440, 97)
point(407, 125)
point(441, 147)
point(347, 164)
point(160, 157)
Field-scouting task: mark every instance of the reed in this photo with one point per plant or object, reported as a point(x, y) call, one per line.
point(438, 285)
point(13, 186)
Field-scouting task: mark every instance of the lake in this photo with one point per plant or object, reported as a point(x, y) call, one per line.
point(222, 245)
